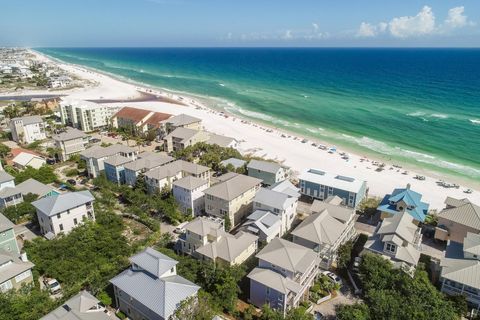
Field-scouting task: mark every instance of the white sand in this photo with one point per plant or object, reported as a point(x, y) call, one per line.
point(255, 139)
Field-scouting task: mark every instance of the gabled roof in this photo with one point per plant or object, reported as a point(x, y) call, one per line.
point(466, 213)
point(341, 213)
point(153, 261)
point(236, 163)
point(133, 114)
point(35, 187)
point(452, 202)
point(190, 182)
point(98, 152)
point(62, 202)
point(4, 177)
point(173, 168)
point(156, 118)
point(286, 187)
point(69, 134)
point(274, 280)
point(80, 307)
point(161, 295)
point(182, 133)
point(8, 192)
point(149, 161)
point(288, 255)
point(228, 247)
point(203, 226)
point(13, 269)
point(320, 228)
point(464, 271)
point(264, 221)
point(182, 120)
point(5, 224)
point(471, 243)
point(222, 141)
point(117, 160)
point(265, 166)
point(400, 224)
point(24, 158)
point(411, 199)
point(272, 198)
point(29, 120)
point(233, 187)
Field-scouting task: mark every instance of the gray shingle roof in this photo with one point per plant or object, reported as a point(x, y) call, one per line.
point(288, 255)
point(286, 187)
point(190, 183)
point(149, 161)
point(5, 224)
point(236, 163)
point(29, 119)
point(463, 271)
point(182, 120)
point(117, 160)
point(340, 213)
point(70, 134)
point(228, 247)
point(161, 295)
point(272, 198)
point(35, 187)
point(203, 226)
point(13, 269)
point(471, 243)
point(182, 133)
point(8, 192)
point(4, 177)
point(465, 213)
point(62, 202)
point(274, 280)
point(233, 187)
point(98, 152)
point(222, 141)
point(320, 228)
point(271, 167)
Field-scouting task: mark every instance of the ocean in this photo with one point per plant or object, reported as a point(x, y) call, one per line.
point(419, 107)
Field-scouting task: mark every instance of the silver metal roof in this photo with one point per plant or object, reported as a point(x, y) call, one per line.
point(62, 202)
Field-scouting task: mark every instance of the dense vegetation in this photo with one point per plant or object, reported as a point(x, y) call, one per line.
point(393, 294)
point(208, 155)
point(45, 174)
point(22, 211)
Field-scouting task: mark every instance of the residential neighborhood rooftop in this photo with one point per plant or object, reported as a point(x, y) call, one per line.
point(133, 114)
point(35, 187)
point(98, 152)
point(5, 224)
point(69, 134)
point(333, 180)
point(29, 119)
point(182, 120)
point(5, 177)
point(12, 265)
point(233, 187)
point(190, 182)
point(320, 228)
point(266, 166)
point(229, 246)
point(463, 212)
point(62, 202)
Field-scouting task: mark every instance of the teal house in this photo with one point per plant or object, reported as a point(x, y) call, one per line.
point(8, 241)
point(404, 200)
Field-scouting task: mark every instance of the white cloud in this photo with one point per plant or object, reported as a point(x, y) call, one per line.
point(288, 35)
point(315, 27)
point(421, 24)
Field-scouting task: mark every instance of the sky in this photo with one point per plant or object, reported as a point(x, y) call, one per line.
point(240, 23)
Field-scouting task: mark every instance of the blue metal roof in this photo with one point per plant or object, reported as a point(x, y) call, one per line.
point(411, 199)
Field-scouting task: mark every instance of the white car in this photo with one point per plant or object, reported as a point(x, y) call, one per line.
point(53, 286)
point(332, 276)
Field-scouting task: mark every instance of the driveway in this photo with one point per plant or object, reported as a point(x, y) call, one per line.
point(327, 308)
point(25, 231)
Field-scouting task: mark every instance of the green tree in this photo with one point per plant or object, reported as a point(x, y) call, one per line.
point(199, 308)
point(4, 150)
point(299, 313)
point(268, 313)
point(358, 311)
point(25, 304)
point(227, 223)
point(344, 255)
point(44, 174)
point(368, 206)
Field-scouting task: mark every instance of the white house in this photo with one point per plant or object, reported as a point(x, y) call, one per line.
point(27, 129)
point(188, 192)
point(70, 142)
point(63, 212)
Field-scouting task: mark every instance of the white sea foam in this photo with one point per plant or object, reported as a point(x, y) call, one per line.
point(439, 115)
point(416, 114)
point(424, 115)
point(475, 121)
point(221, 84)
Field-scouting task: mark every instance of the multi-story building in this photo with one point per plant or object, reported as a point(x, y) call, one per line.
point(188, 192)
point(146, 161)
point(114, 167)
point(69, 143)
point(150, 288)
point(95, 156)
point(8, 241)
point(459, 217)
point(85, 115)
point(180, 138)
point(269, 172)
point(27, 129)
point(318, 184)
point(404, 200)
point(284, 275)
point(61, 213)
point(9, 194)
point(180, 121)
point(328, 227)
point(232, 197)
point(15, 270)
point(138, 121)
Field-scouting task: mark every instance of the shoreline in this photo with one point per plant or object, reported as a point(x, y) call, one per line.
point(265, 140)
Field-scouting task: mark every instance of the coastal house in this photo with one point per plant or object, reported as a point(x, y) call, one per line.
point(69, 143)
point(84, 115)
point(57, 82)
point(114, 167)
point(27, 129)
point(180, 138)
point(8, 241)
point(15, 270)
point(264, 224)
point(318, 184)
point(328, 227)
point(9, 194)
point(188, 192)
point(95, 157)
point(146, 161)
point(198, 233)
point(165, 175)
point(232, 197)
point(460, 269)
point(28, 159)
point(37, 188)
point(82, 306)
point(404, 200)
point(284, 275)
point(269, 172)
point(281, 203)
point(398, 239)
point(137, 121)
point(150, 288)
point(181, 121)
point(459, 217)
point(63, 212)
point(234, 162)
point(221, 140)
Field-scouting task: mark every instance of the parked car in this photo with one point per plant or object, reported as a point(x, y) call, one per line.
point(336, 279)
point(63, 187)
point(52, 285)
point(72, 181)
point(318, 315)
point(51, 161)
point(180, 228)
point(84, 181)
point(95, 140)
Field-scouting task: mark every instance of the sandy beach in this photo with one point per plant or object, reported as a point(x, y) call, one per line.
point(263, 141)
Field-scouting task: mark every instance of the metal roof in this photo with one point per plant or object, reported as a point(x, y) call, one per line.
point(340, 213)
point(233, 187)
point(62, 202)
point(98, 152)
point(13, 269)
point(153, 261)
point(464, 271)
point(471, 243)
point(35, 187)
point(466, 213)
point(236, 163)
point(182, 120)
point(332, 180)
point(272, 198)
point(29, 120)
point(228, 247)
point(190, 183)
point(70, 134)
point(5, 224)
point(320, 228)
point(274, 280)
point(8, 192)
point(4, 177)
point(266, 166)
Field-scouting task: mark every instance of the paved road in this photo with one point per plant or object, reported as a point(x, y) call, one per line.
point(327, 308)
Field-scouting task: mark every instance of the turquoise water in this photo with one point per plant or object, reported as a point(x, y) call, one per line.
point(415, 106)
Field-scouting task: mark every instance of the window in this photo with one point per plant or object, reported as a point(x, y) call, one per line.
point(60, 226)
point(7, 285)
point(23, 276)
point(330, 191)
point(390, 247)
point(75, 222)
point(59, 215)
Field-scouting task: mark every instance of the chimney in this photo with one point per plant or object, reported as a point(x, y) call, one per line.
point(23, 256)
point(408, 186)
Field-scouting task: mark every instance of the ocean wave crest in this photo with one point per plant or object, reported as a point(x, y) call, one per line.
point(424, 115)
point(475, 121)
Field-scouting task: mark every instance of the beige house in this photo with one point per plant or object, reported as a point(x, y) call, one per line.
point(69, 143)
point(180, 138)
point(206, 239)
point(138, 120)
point(459, 217)
point(181, 121)
point(15, 270)
point(232, 197)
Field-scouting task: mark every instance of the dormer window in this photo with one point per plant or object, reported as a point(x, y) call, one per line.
point(390, 248)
